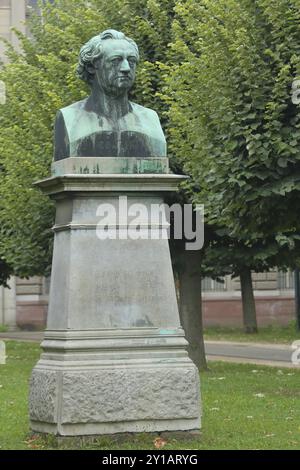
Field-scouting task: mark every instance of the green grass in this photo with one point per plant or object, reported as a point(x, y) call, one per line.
point(3, 329)
point(245, 407)
point(269, 334)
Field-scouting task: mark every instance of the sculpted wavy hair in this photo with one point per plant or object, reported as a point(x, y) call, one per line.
point(92, 50)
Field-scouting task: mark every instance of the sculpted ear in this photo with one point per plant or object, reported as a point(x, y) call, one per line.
point(94, 66)
point(91, 69)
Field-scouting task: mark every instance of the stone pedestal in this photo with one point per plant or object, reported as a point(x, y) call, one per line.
point(114, 354)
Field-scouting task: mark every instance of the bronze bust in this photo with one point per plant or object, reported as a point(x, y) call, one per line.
point(107, 124)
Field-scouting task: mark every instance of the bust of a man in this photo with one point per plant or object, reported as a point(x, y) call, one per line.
point(107, 124)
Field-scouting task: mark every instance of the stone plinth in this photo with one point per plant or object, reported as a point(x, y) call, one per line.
point(114, 355)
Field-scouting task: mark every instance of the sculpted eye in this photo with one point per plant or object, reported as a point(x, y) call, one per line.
point(132, 61)
point(116, 60)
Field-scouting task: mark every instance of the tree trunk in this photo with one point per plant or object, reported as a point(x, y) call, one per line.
point(186, 264)
point(190, 307)
point(297, 297)
point(249, 310)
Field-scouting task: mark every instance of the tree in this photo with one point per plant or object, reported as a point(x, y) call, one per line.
point(233, 124)
point(41, 80)
point(5, 273)
point(188, 269)
point(226, 256)
point(44, 77)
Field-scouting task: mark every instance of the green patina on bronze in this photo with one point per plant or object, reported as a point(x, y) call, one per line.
point(109, 165)
point(107, 124)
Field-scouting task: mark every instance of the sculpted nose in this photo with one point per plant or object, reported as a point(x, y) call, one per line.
point(125, 68)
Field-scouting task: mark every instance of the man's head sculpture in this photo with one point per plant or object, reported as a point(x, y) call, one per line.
point(107, 124)
point(100, 58)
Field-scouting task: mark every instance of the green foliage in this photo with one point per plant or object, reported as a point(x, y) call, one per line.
point(5, 272)
point(233, 124)
point(219, 73)
point(41, 80)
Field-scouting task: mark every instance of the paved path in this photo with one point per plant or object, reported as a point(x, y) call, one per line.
point(253, 353)
point(35, 336)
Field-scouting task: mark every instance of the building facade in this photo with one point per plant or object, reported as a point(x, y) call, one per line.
point(274, 299)
point(25, 304)
point(12, 15)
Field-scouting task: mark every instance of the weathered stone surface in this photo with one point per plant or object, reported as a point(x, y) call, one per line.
point(113, 336)
point(120, 278)
point(43, 396)
point(90, 429)
point(111, 400)
point(112, 183)
point(130, 394)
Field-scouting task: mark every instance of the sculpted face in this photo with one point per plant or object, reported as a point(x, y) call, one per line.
point(115, 71)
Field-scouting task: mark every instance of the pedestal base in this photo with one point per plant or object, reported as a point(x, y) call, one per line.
point(108, 382)
point(115, 356)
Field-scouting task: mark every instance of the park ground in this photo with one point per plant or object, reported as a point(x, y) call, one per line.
point(244, 407)
point(273, 334)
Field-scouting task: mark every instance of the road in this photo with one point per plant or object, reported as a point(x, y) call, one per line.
point(253, 353)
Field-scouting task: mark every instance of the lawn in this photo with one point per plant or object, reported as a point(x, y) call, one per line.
point(269, 334)
point(245, 407)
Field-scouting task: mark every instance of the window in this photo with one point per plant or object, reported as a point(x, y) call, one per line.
point(210, 285)
point(5, 20)
point(285, 280)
